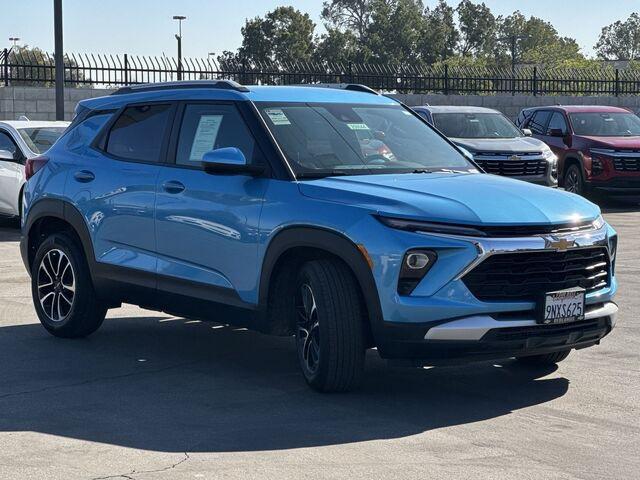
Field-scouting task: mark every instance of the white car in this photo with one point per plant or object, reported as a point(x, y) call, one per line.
point(20, 140)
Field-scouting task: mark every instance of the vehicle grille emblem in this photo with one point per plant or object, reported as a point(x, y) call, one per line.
point(559, 244)
point(514, 158)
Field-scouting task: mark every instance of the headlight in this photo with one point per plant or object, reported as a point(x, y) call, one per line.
point(598, 223)
point(548, 154)
point(430, 227)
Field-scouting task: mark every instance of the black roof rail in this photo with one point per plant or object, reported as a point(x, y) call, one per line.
point(356, 87)
point(151, 87)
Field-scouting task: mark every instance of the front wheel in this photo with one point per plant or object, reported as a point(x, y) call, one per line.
point(329, 326)
point(573, 181)
point(62, 290)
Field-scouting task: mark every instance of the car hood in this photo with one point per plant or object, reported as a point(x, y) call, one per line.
point(519, 144)
point(455, 198)
point(613, 142)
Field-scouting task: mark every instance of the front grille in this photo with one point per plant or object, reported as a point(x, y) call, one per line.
point(526, 276)
point(626, 164)
point(513, 168)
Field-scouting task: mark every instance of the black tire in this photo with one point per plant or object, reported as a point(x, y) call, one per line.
point(73, 312)
point(544, 360)
point(333, 339)
point(573, 180)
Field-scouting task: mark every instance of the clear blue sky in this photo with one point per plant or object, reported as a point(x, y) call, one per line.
point(145, 27)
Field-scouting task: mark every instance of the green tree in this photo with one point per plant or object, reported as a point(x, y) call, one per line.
point(348, 15)
point(25, 60)
point(533, 40)
point(620, 40)
point(395, 31)
point(440, 36)
point(336, 46)
point(477, 28)
point(283, 35)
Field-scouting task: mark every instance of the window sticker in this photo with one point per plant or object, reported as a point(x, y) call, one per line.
point(277, 116)
point(205, 137)
point(358, 126)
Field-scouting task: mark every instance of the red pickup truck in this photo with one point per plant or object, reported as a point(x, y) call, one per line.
point(597, 147)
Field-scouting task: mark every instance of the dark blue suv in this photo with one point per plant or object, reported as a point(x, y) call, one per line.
point(333, 214)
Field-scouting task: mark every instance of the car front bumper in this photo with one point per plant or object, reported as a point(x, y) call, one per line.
point(487, 337)
point(443, 321)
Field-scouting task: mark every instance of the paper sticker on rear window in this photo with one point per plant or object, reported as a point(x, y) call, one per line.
point(357, 126)
point(277, 116)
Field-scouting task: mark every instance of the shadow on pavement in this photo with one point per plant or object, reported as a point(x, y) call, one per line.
point(9, 231)
point(175, 385)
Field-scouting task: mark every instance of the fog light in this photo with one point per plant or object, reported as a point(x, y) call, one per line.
point(415, 265)
point(417, 261)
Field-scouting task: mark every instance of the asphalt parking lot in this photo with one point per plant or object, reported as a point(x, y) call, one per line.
point(152, 396)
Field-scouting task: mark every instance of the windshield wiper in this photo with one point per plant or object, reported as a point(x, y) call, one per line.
point(422, 170)
point(322, 174)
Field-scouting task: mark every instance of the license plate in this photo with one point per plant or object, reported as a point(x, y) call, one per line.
point(563, 306)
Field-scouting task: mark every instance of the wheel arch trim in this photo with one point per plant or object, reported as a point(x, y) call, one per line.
point(332, 242)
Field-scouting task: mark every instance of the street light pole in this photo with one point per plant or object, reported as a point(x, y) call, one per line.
point(15, 40)
point(59, 58)
point(180, 18)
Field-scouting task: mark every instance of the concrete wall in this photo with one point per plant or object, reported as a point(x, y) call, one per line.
point(511, 105)
point(38, 103)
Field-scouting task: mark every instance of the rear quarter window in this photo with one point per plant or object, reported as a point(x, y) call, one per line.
point(84, 132)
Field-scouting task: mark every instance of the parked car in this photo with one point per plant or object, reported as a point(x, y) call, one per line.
point(257, 206)
point(495, 143)
point(598, 147)
point(20, 140)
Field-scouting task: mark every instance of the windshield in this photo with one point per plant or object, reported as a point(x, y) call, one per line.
point(600, 124)
point(475, 125)
point(39, 140)
point(350, 139)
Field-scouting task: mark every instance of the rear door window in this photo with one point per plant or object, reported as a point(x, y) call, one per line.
point(138, 134)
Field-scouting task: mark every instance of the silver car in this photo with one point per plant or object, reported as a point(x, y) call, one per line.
point(495, 143)
point(19, 141)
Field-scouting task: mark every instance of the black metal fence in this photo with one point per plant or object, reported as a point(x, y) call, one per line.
point(88, 70)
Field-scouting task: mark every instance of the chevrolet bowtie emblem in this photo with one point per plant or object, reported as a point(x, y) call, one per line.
point(514, 157)
point(560, 244)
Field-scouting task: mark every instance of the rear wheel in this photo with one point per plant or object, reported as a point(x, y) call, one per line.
point(573, 181)
point(544, 360)
point(62, 291)
point(329, 328)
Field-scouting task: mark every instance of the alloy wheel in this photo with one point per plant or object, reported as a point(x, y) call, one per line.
point(572, 182)
point(308, 329)
point(56, 285)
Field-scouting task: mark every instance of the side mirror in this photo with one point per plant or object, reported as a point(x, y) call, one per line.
point(527, 132)
point(556, 132)
point(229, 161)
point(7, 156)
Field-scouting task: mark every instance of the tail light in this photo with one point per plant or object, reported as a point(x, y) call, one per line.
point(34, 164)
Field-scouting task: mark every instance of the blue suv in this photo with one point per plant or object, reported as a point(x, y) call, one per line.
point(335, 215)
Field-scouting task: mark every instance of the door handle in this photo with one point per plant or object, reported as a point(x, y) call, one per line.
point(84, 176)
point(173, 186)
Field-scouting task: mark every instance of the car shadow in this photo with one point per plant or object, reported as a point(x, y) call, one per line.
point(609, 204)
point(168, 384)
point(9, 231)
